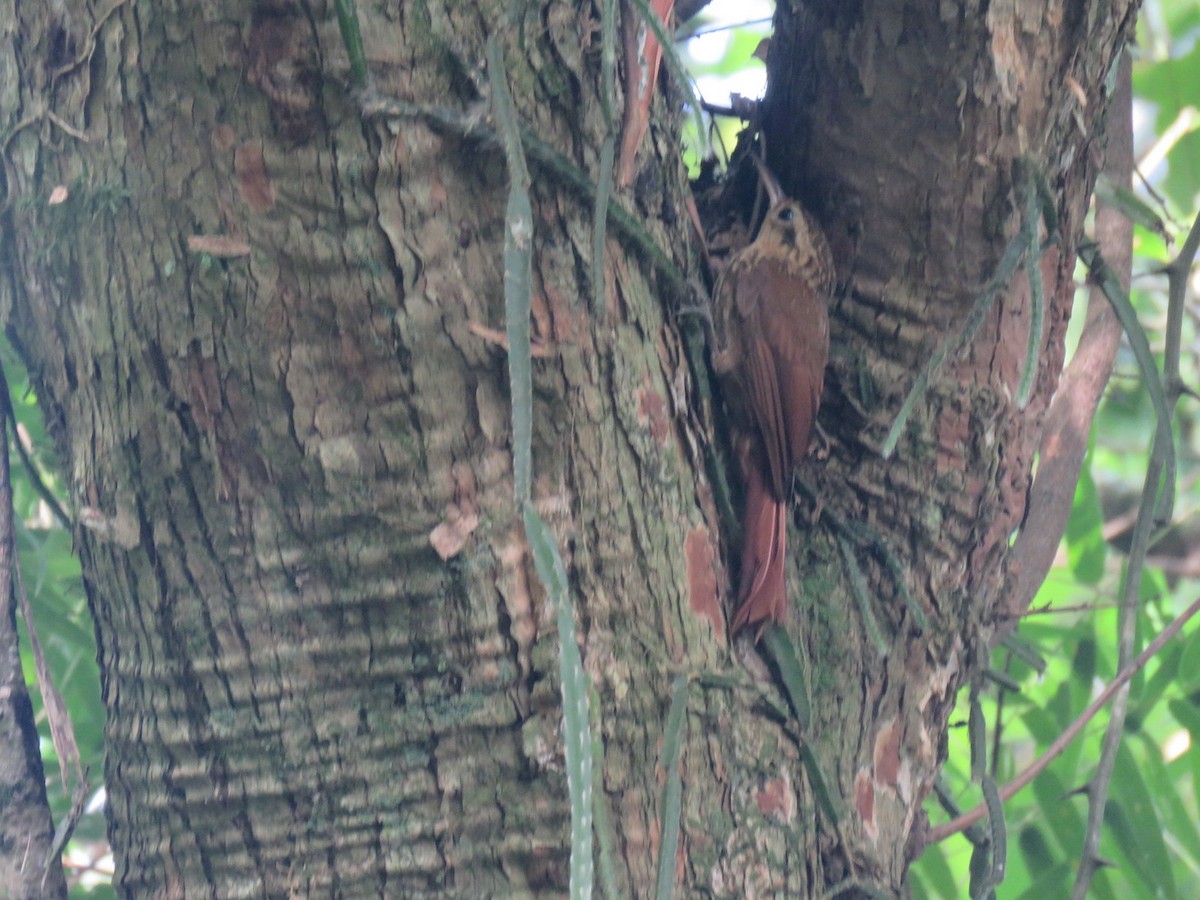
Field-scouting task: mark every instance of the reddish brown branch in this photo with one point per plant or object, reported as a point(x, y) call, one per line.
point(1069, 417)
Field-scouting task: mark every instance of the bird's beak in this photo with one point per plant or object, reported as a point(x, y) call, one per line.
point(774, 191)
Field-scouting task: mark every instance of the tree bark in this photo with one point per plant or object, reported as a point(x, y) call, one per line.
point(906, 126)
point(261, 325)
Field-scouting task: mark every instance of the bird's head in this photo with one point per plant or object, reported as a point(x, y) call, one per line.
point(792, 233)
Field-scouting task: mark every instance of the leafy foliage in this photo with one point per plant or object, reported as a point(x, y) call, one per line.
point(63, 621)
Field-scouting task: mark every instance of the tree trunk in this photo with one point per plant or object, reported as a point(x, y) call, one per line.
point(263, 326)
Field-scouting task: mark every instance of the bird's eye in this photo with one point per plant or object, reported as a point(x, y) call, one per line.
point(787, 214)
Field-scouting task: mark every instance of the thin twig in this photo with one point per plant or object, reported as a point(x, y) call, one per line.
point(1052, 610)
point(66, 126)
point(31, 470)
point(684, 35)
point(1177, 281)
point(744, 108)
point(1126, 635)
point(604, 176)
point(89, 46)
point(1160, 449)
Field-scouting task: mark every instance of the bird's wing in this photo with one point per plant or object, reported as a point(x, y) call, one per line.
point(787, 344)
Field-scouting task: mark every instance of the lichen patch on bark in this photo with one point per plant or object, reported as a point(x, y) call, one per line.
point(777, 798)
point(254, 184)
point(702, 579)
point(887, 754)
point(864, 802)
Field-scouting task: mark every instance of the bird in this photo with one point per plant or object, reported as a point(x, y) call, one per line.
point(770, 323)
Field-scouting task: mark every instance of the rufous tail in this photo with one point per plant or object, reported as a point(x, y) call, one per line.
point(762, 593)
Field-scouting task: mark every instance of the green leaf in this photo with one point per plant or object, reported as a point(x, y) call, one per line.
point(347, 16)
point(605, 835)
point(673, 793)
point(791, 672)
point(1086, 547)
point(981, 886)
point(983, 303)
point(1187, 714)
point(739, 52)
point(1083, 664)
point(1129, 204)
point(1030, 223)
point(977, 734)
point(577, 738)
point(1025, 651)
point(858, 584)
point(997, 830)
point(1138, 342)
point(1170, 85)
point(1038, 856)
point(518, 268)
point(1165, 677)
point(1189, 662)
point(1064, 820)
point(1041, 724)
point(820, 785)
point(604, 183)
point(1194, 764)
point(935, 872)
point(1178, 820)
point(1052, 882)
point(1133, 818)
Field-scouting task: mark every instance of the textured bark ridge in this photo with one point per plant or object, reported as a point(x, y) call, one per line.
point(264, 333)
point(904, 126)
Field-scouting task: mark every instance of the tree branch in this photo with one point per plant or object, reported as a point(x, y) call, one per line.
point(1069, 417)
point(1142, 531)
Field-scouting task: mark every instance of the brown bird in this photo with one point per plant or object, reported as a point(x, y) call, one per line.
point(771, 342)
